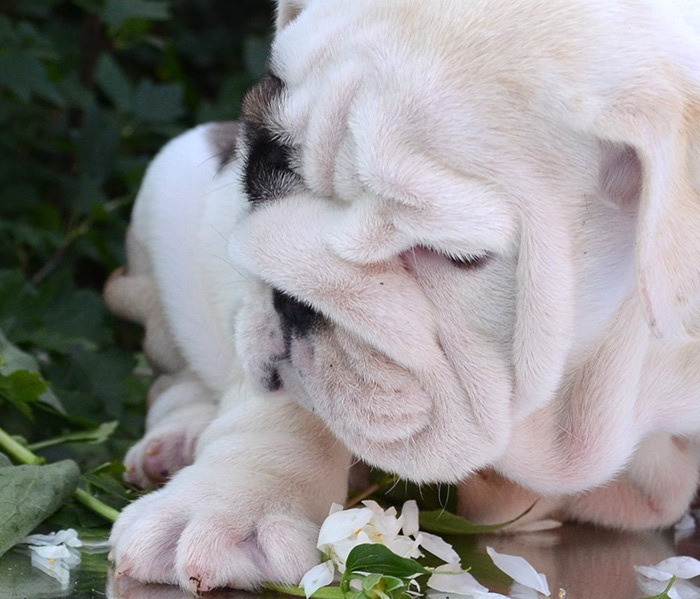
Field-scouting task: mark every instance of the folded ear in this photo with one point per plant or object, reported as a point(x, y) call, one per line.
point(658, 116)
point(668, 231)
point(287, 11)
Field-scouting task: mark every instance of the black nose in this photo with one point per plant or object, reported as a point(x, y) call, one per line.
point(297, 316)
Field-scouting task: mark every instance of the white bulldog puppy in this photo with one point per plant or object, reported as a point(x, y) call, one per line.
point(459, 239)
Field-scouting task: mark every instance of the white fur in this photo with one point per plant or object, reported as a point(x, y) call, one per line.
point(561, 139)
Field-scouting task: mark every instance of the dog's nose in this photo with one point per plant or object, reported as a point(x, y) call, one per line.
point(297, 316)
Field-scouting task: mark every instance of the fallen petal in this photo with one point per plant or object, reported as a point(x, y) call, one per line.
point(681, 589)
point(319, 576)
point(449, 579)
point(439, 548)
point(681, 566)
point(409, 512)
point(67, 537)
point(520, 591)
point(520, 570)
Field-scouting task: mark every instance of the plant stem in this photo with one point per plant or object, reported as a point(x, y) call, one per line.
point(22, 455)
point(18, 451)
point(322, 593)
point(94, 504)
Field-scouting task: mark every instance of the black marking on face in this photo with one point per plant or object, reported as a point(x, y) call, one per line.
point(273, 381)
point(267, 168)
point(298, 317)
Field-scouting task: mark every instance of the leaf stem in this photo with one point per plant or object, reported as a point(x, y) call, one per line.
point(94, 504)
point(24, 456)
point(18, 451)
point(322, 593)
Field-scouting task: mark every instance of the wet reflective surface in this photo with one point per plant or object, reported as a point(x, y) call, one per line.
point(587, 563)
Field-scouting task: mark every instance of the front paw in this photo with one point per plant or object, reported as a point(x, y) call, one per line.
point(160, 454)
point(210, 528)
point(168, 446)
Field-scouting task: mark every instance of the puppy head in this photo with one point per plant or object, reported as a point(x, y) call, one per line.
point(443, 205)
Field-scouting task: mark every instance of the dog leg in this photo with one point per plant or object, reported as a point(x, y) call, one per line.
point(180, 408)
point(654, 492)
point(247, 511)
point(489, 498)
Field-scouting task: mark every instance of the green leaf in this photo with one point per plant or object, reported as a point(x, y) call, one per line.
point(158, 102)
point(30, 494)
point(96, 435)
point(372, 558)
point(445, 523)
point(21, 388)
point(4, 461)
point(116, 12)
point(111, 79)
point(26, 76)
point(28, 386)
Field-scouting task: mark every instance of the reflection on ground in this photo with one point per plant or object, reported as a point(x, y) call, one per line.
point(587, 563)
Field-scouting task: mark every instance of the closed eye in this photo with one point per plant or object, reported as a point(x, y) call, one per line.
point(467, 260)
point(464, 261)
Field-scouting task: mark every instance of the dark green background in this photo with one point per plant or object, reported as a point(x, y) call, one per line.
point(89, 91)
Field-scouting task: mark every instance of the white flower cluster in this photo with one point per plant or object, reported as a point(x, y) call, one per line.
point(55, 554)
point(345, 529)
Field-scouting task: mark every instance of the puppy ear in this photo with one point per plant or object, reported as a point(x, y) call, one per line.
point(664, 131)
point(668, 231)
point(287, 11)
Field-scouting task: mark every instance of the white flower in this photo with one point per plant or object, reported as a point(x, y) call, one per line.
point(682, 566)
point(654, 579)
point(62, 537)
point(520, 570)
point(319, 576)
point(345, 529)
point(55, 554)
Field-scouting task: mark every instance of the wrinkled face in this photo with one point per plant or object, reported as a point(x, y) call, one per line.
point(403, 295)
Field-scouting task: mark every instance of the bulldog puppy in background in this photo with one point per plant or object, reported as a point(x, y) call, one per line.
point(459, 240)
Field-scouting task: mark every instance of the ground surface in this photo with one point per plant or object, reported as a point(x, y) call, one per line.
point(587, 563)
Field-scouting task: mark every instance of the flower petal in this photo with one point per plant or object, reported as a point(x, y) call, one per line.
point(462, 583)
point(681, 566)
point(439, 548)
point(68, 537)
point(409, 513)
point(520, 591)
point(55, 568)
point(681, 589)
point(50, 551)
point(520, 570)
point(403, 546)
point(319, 576)
point(343, 524)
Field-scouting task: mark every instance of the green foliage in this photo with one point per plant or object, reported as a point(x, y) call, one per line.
point(89, 91)
point(29, 494)
point(444, 523)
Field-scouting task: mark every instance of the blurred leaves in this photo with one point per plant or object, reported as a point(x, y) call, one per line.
point(89, 91)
